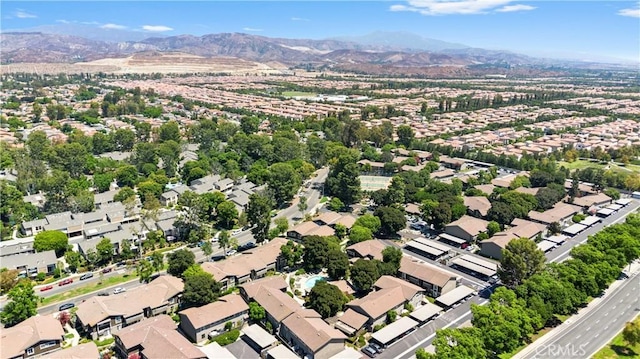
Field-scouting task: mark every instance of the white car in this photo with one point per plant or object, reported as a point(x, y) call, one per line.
point(236, 231)
point(119, 290)
point(231, 252)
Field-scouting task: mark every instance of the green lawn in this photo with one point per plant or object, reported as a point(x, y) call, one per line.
point(618, 349)
point(582, 164)
point(107, 282)
point(298, 94)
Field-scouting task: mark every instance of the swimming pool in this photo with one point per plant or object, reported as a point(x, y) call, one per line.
point(309, 283)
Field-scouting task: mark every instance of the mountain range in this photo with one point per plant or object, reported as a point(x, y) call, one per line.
point(390, 49)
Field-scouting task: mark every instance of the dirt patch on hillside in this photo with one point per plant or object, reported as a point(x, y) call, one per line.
point(151, 63)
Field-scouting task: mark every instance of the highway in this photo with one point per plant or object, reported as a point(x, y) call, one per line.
point(584, 334)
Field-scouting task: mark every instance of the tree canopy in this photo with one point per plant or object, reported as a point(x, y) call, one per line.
point(51, 240)
point(326, 299)
point(521, 259)
point(179, 261)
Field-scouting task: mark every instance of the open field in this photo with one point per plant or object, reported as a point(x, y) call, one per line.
point(165, 63)
point(298, 94)
point(582, 164)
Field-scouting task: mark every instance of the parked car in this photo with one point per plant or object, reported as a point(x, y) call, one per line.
point(66, 306)
point(236, 231)
point(45, 288)
point(86, 276)
point(250, 245)
point(103, 294)
point(369, 351)
point(231, 252)
point(377, 347)
point(107, 270)
point(65, 282)
point(119, 290)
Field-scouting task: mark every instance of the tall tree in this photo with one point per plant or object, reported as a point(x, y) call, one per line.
point(227, 213)
point(391, 219)
point(364, 273)
point(22, 304)
point(521, 259)
point(462, 343)
point(179, 261)
point(326, 299)
point(226, 241)
point(51, 240)
point(200, 289)
point(284, 181)
point(405, 135)
point(259, 215)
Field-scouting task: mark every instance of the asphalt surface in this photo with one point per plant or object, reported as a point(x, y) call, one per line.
point(584, 334)
point(562, 253)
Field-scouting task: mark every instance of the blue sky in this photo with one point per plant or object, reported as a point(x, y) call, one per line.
point(579, 29)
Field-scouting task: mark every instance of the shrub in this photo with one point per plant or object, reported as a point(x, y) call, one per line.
point(378, 327)
point(300, 271)
point(228, 326)
point(40, 277)
point(227, 338)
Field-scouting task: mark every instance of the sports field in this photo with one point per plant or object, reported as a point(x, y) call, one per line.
point(298, 94)
point(374, 183)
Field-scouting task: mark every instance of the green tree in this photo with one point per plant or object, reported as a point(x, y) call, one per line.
point(200, 289)
point(256, 312)
point(179, 261)
point(335, 204)
point(392, 256)
point(169, 131)
point(344, 179)
point(505, 322)
point(391, 316)
point(51, 240)
point(282, 224)
point(492, 228)
point(104, 249)
point(631, 332)
point(284, 181)
point(369, 221)
point(337, 264)
point(364, 273)
point(225, 240)
point(125, 250)
point(291, 253)
point(359, 234)
point(124, 194)
point(22, 304)
point(521, 259)
point(462, 343)
point(157, 261)
point(259, 215)
point(144, 270)
point(194, 269)
point(326, 299)
point(8, 279)
point(316, 252)
point(249, 124)
point(302, 204)
point(207, 249)
point(227, 213)
point(391, 219)
point(405, 135)
point(102, 181)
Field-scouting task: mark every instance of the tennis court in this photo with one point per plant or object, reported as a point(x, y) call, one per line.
point(374, 183)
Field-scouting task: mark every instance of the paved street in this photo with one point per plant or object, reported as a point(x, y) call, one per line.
point(562, 253)
point(584, 334)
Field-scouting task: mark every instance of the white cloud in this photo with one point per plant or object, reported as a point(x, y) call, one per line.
point(459, 7)
point(90, 22)
point(517, 7)
point(21, 14)
point(299, 19)
point(113, 27)
point(156, 28)
point(251, 29)
point(630, 12)
point(64, 21)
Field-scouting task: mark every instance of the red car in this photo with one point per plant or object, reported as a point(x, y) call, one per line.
point(66, 281)
point(107, 270)
point(46, 288)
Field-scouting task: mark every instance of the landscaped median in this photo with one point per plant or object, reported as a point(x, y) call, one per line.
point(619, 348)
point(106, 282)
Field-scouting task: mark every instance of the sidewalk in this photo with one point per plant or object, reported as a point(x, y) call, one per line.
point(635, 268)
